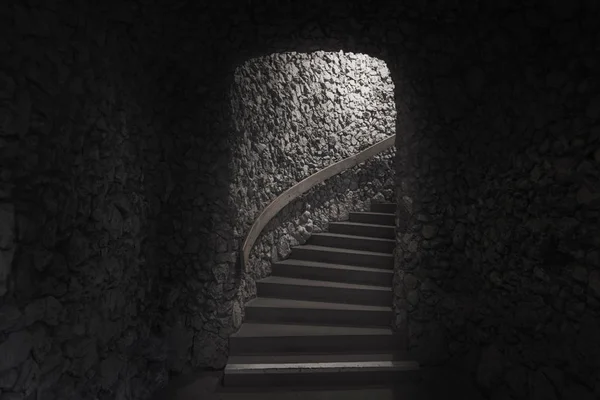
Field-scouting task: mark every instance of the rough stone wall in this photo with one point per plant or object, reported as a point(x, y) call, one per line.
point(118, 243)
point(294, 114)
point(75, 281)
point(499, 188)
point(352, 190)
point(479, 90)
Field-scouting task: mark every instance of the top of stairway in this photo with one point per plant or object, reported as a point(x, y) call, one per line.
point(371, 213)
point(361, 224)
point(355, 237)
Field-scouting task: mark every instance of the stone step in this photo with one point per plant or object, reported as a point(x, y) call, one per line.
point(316, 357)
point(344, 369)
point(389, 208)
point(271, 310)
point(347, 391)
point(321, 271)
point(373, 218)
point(343, 256)
point(258, 339)
point(450, 380)
point(354, 242)
point(430, 383)
point(361, 229)
point(330, 292)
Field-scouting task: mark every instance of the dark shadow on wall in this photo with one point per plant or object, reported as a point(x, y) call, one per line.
point(75, 161)
point(505, 153)
point(193, 216)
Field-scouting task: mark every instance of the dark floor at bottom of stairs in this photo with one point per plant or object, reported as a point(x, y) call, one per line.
point(436, 383)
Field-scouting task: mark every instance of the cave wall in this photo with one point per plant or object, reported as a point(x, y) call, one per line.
point(76, 234)
point(499, 194)
point(496, 162)
point(294, 114)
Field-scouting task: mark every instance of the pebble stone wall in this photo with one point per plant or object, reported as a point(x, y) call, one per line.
point(119, 222)
point(295, 114)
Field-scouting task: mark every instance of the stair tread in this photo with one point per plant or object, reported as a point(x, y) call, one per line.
point(311, 282)
point(362, 224)
point(317, 367)
point(379, 392)
point(343, 235)
point(292, 358)
point(340, 250)
point(320, 264)
point(289, 303)
point(287, 330)
point(371, 213)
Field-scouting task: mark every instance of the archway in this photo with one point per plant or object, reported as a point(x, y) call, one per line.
point(294, 114)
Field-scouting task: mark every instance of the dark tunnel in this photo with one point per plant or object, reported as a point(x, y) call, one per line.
point(141, 140)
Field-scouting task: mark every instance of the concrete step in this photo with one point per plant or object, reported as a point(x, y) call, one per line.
point(450, 380)
point(361, 229)
point(344, 369)
point(400, 391)
point(316, 357)
point(321, 271)
point(255, 339)
point(343, 256)
point(330, 292)
point(354, 242)
point(270, 310)
point(373, 218)
point(389, 208)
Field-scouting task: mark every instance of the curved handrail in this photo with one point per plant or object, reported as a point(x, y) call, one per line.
point(302, 187)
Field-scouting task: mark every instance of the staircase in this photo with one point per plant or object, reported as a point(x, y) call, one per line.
point(323, 317)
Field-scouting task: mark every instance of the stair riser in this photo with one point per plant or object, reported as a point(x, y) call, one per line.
point(362, 260)
point(325, 294)
point(379, 219)
point(353, 243)
point(343, 379)
point(358, 230)
point(383, 208)
point(318, 316)
point(314, 344)
point(333, 275)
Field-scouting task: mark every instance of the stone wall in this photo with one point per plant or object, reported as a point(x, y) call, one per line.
point(294, 114)
point(352, 190)
point(118, 242)
point(116, 151)
point(76, 264)
point(499, 188)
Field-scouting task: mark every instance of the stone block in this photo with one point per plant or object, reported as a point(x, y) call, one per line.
point(15, 350)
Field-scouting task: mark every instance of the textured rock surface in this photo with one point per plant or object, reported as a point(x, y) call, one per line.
point(120, 215)
point(119, 226)
point(75, 286)
point(498, 185)
point(294, 114)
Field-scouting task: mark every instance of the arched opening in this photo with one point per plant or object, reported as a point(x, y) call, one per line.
point(296, 113)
